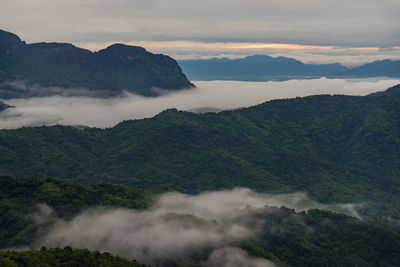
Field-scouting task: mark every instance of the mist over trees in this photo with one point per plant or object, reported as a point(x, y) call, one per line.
point(335, 148)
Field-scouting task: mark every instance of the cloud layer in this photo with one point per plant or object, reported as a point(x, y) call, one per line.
point(313, 22)
point(177, 225)
point(93, 23)
point(100, 112)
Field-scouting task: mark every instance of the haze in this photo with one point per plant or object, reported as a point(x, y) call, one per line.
point(214, 95)
point(177, 225)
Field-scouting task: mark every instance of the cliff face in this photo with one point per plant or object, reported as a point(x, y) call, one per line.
point(109, 71)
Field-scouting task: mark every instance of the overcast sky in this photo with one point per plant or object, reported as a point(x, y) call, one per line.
point(325, 30)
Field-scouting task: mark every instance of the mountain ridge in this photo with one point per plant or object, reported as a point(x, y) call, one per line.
point(266, 68)
point(110, 71)
point(335, 148)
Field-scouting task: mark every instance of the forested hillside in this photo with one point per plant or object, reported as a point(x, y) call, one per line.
point(335, 148)
point(67, 257)
point(312, 238)
point(29, 204)
point(324, 238)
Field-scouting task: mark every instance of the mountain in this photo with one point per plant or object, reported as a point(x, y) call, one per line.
point(21, 199)
point(387, 68)
point(266, 68)
point(40, 68)
point(336, 148)
point(3, 106)
point(285, 237)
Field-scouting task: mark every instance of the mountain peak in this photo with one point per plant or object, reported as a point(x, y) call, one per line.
point(112, 70)
point(258, 57)
point(9, 40)
point(122, 49)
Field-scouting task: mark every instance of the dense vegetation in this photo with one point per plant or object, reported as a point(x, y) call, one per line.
point(266, 68)
point(318, 238)
point(324, 238)
point(111, 70)
point(312, 238)
point(22, 204)
point(66, 257)
point(335, 148)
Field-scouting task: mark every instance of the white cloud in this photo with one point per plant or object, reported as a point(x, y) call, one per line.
point(337, 22)
point(98, 112)
point(231, 256)
point(177, 225)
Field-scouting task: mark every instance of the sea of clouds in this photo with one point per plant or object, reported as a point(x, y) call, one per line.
point(211, 95)
point(177, 225)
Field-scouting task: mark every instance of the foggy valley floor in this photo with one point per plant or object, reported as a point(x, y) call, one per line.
point(208, 96)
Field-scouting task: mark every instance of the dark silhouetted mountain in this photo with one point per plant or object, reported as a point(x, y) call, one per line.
point(108, 71)
point(335, 148)
point(266, 68)
point(387, 68)
point(3, 106)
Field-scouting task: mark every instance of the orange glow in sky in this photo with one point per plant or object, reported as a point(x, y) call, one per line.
point(282, 46)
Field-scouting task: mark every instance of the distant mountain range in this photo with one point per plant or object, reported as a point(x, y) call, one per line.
point(266, 68)
point(48, 68)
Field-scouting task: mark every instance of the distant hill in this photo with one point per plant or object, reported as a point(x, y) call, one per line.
point(335, 148)
point(3, 106)
point(266, 68)
point(387, 68)
point(44, 66)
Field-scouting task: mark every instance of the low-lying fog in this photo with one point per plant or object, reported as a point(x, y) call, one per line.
point(177, 225)
point(98, 112)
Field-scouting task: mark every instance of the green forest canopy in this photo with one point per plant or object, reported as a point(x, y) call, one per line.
point(335, 148)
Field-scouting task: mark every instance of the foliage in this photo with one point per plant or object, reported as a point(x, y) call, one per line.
point(66, 257)
point(324, 238)
point(255, 68)
point(312, 238)
point(21, 199)
point(335, 148)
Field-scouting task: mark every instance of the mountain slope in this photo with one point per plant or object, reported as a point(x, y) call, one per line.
point(255, 68)
point(387, 68)
point(335, 148)
point(22, 200)
point(108, 71)
point(266, 68)
point(312, 238)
